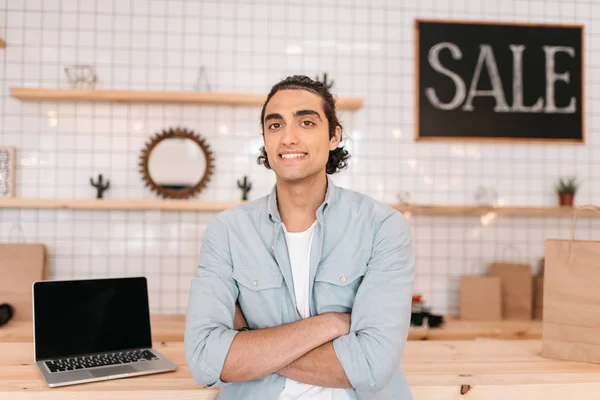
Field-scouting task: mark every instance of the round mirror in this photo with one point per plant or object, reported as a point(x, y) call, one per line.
point(176, 163)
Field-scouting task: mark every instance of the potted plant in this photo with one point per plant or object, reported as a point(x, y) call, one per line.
point(566, 189)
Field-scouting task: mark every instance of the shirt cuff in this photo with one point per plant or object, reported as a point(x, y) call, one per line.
point(347, 349)
point(217, 348)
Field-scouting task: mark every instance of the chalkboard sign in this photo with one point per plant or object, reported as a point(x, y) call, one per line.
point(492, 81)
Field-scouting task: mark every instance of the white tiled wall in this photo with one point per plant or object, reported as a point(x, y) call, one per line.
point(366, 46)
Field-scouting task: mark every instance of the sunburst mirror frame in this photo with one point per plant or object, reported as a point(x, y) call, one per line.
point(176, 133)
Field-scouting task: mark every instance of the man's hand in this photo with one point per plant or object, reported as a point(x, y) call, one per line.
point(239, 321)
point(319, 367)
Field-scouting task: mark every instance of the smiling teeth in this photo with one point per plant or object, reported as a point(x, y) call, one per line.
point(296, 155)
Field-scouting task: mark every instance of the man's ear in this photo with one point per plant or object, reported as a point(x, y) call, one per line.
point(334, 142)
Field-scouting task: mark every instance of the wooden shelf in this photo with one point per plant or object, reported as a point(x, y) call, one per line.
point(196, 205)
point(108, 204)
point(156, 97)
point(478, 211)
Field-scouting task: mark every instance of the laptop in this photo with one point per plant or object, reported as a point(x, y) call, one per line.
point(93, 329)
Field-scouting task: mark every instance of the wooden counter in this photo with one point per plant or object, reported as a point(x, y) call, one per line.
point(170, 328)
point(455, 329)
point(485, 369)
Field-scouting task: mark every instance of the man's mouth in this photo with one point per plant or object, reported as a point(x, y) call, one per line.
point(289, 156)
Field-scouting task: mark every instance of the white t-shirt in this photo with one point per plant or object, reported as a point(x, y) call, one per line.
point(299, 244)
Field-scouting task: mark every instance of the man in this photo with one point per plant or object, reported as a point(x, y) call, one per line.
point(322, 275)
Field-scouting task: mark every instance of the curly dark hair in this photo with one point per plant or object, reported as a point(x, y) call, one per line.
point(338, 158)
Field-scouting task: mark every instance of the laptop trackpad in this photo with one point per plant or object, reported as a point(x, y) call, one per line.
point(118, 370)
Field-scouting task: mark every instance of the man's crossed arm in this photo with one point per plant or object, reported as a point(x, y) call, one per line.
point(302, 351)
point(321, 350)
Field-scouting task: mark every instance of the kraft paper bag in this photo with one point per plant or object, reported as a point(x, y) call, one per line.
point(538, 297)
point(538, 293)
point(20, 266)
point(571, 317)
point(480, 298)
point(517, 289)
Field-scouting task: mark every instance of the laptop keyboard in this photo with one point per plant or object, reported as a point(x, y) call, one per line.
point(100, 360)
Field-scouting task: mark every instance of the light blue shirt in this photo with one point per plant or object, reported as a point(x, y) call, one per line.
point(362, 261)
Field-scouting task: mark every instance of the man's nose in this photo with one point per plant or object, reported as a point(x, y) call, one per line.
point(290, 136)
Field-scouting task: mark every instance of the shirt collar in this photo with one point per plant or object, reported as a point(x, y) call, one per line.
point(329, 197)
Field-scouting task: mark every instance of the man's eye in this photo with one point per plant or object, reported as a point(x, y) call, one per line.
point(275, 125)
point(307, 123)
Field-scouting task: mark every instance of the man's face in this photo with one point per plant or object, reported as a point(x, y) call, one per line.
point(296, 135)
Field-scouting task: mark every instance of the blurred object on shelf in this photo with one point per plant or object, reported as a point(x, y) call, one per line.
point(81, 76)
point(421, 314)
point(202, 74)
point(404, 198)
point(486, 196)
point(7, 172)
point(329, 85)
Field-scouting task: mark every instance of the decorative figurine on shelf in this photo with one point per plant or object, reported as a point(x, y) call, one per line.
point(566, 190)
point(202, 74)
point(7, 171)
point(404, 198)
point(81, 76)
point(486, 196)
point(100, 186)
point(245, 186)
point(324, 81)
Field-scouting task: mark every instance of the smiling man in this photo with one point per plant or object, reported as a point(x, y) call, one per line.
point(304, 293)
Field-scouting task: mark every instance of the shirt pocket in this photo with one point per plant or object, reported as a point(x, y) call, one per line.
point(260, 296)
point(335, 288)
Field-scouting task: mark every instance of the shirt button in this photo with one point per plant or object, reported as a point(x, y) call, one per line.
point(254, 283)
point(343, 279)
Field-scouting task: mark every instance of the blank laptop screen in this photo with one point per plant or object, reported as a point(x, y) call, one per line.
point(90, 316)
